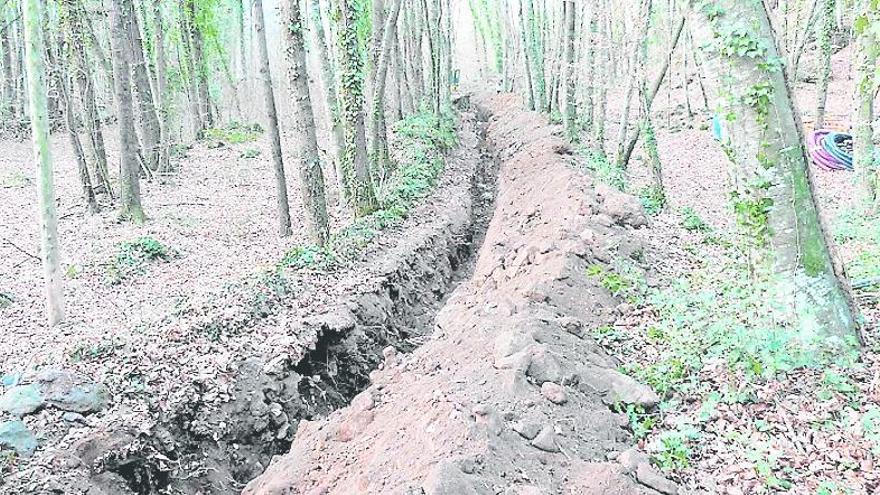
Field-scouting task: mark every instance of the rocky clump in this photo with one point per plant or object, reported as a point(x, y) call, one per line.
point(69, 392)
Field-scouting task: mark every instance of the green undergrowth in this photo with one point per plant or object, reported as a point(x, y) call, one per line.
point(715, 337)
point(234, 133)
point(858, 235)
point(418, 145)
point(653, 199)
point(604, 169)
point(132, 257)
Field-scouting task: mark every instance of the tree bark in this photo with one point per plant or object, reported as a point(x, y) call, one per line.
point(863, 144)
point(282, 204)
point(50, 249)
point(148, 121)
point(569, 115)
point(304, 139)
point(129, 173)
point(773, 191)
point(379, 141)
point(825, 31)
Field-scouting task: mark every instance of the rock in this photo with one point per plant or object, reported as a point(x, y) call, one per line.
point(15, 435)
point(617, 387)
point(573, 326)
point(623, 208)
point(544, 367)
point(512, 350)
point(649, 477)
point(73, 417)
point(102, 445)
point(554, 392)
point(546, 440)
point(10, 379)
point(526, 430)
point(631, 459)
point(363, 401)
point(21, 400)
point(71, 392)
point(447, 479)
point(355, 425)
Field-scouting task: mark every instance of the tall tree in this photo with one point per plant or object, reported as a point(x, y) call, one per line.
point(303, 138)
point(148, 120)
point(379, 131)
point(281, 203)
point(773, 196)
point(825, 31)
point(569, 116)
point(867, 15)
point(355, 162)
point(129, 170)
point(50, 250)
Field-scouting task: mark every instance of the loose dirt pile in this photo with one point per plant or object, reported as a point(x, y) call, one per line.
point(510, 394)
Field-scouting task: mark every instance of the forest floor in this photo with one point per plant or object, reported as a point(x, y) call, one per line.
point(719, 428)
point(735, 418)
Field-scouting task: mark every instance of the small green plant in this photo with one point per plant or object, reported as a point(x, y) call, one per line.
point(132, 256)
point(605, 171)
point(14, 180)
point(671, 452)
point(607, 334)
point(250, 153)
point(310, 257)
point(640, 422)
point(234, 133)
point(653, 200)
point(691, 221)
point(870, 424)
point(834, 382)
point(73, 271)
point(84, 352)
point(6, 300)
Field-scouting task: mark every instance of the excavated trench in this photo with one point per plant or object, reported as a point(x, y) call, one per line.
point(435, 251)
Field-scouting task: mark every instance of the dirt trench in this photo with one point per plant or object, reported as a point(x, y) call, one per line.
point(410, 273)
point(510, 394)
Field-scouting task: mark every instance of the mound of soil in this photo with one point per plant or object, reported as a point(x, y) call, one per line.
point(510, 394)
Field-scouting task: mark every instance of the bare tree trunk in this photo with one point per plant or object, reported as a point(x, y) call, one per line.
point(272, 115)
point(569, 115)
point(129, 173)
point(304, 139)
point(825, 52)
point(46, 188)
point(146, 110)
point(863, 144)
point(530, 85)
point(655, 88)
point(163, 99)
point(356, 164)
point(187, 27)
point(379, 141)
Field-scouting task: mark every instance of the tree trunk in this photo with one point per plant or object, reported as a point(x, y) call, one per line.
point(163, 99)
point(825, 31)
point(655, 88)
point(146, 110)
point(355, 163)
point(304, 139)
point(865, 68)
point(773, 191)
point(10, 97)
point(50, 249)
point(379, 141)
point(187, 28)
point(282, 204)
point(569, 116)
point(527, 56)
point(129, 173)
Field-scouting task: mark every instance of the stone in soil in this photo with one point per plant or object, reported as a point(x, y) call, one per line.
point(554, 392)
point(15, 435)
point(22, 400)
point(71, 392)
point(546, 440)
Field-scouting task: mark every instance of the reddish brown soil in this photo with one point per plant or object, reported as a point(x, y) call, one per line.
point(510, 358)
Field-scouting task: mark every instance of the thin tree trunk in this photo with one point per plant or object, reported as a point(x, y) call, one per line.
point(146, 110)
point(282, 204)
point(379, 141)
point(825, 31)
point(655, 88)
point(863, 143)
point(163, 98)
point(130, 190)
point(50, 249)
point(569, 115)
point(187, 27)
point(304, 141)
point(524, 37)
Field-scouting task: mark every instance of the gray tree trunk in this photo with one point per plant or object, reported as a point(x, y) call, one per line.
point(129, 172)
point(50, 249)
point(303, 138)
point(569, 114)
point(282, 204)
point(148, 120)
